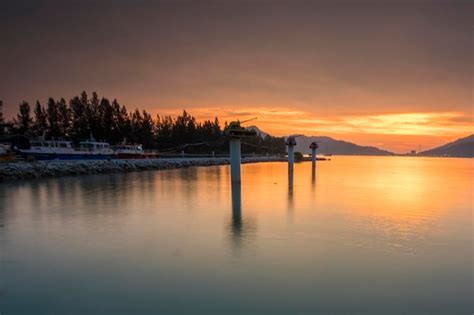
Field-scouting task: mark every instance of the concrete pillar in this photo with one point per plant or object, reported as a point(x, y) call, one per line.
point(234, 144)
point(291, 143)
point(313, 147)
point(291, 161)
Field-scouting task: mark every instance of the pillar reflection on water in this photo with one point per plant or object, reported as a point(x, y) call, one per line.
point(290, 182)
point(242, 230)
point(236, 226)
point(291, 143)
point(236, 209)
point(290, 191)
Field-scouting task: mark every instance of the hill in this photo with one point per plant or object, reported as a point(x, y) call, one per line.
point(259, 132)
point(463, 147)
point(329, 145)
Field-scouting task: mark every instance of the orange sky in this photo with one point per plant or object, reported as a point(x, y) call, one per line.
point(393, 74)
point(397, 132)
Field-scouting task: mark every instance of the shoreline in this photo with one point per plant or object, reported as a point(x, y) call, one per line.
point(43, 169)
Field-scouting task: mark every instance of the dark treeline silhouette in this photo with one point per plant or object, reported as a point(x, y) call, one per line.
point(85, 116)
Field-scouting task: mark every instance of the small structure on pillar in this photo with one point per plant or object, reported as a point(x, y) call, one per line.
point(235, 132)
point(291, 143)
point(313, 146)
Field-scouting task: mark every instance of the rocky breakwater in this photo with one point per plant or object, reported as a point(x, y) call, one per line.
point(40, 169)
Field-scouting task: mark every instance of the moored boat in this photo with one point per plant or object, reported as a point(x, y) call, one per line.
point(49, 150)
point(94, 150)
point(64, 150)
point(129, 151)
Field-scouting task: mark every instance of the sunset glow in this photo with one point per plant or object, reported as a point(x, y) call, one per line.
point(347, 70)
point(399, 132)
point(236, 157)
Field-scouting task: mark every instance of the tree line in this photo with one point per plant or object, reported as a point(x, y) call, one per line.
point(82, 117)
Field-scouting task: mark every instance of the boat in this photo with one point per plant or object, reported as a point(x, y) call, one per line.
point(94, 150)
point(129, 151)
point(64, 150)
point(48, 150)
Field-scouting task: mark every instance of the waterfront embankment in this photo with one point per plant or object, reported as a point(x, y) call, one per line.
point(42, 169)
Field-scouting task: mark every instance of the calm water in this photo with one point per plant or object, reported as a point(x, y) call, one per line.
point(375, 235)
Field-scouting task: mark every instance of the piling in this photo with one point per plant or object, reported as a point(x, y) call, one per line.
point(314, 146)
point(235, 132)
point(291, 143)
point(234, 145)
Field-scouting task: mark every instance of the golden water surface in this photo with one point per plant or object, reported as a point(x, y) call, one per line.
point(367, 235)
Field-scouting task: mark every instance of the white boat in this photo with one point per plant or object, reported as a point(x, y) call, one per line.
point(94, 147)
point(64, 150)
point(48, 150)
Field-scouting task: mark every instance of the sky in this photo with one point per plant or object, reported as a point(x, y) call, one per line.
point(392, 74)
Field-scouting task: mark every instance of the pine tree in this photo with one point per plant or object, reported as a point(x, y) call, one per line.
point(147, 130)
point(79, 126)
point(216, 128)
point(2, 120)
point(40, 123)
point(164, 132)
point(1, 112)
point(184, 128)
point(92, 114)
point(64, 116)
point(84, 99)
point(136, 126)
point(23, 120)
point(116, 117)
point(53, 119)
point(111, 122)
point(105, 123)
point(124, 123)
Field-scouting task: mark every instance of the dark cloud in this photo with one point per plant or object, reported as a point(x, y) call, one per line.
point(331, 57)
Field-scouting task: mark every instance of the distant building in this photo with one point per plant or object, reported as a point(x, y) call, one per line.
point(413, 152)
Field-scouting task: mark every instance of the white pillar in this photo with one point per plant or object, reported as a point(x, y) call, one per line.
point(291, 159)
point(234, 144)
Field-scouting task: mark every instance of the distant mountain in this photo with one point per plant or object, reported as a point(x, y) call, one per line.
point(463, 147)
point(259, 132)
point(329, 145)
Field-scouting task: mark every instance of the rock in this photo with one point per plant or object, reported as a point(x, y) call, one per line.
point(40, 169)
